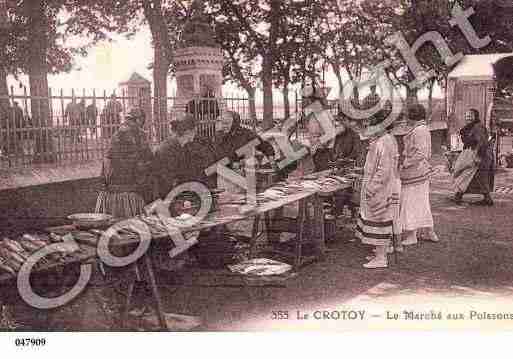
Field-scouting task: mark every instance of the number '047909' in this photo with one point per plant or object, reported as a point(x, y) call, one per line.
point(30, 342)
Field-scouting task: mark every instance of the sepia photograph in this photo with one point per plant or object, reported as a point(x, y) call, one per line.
point(237, 166)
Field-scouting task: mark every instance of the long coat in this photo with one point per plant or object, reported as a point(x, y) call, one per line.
point(475, 136)
point(381, 187)
point(415, 174)
point(416, 167)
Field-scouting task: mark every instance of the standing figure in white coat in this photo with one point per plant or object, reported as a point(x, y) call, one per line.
point(415, 171)
point(381, 187)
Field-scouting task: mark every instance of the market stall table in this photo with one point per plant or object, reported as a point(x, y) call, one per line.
point(229, 211)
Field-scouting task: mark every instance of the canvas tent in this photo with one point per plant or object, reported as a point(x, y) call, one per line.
point(470, 85)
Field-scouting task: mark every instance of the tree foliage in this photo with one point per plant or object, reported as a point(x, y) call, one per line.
point(92, 21)
point(267, 43)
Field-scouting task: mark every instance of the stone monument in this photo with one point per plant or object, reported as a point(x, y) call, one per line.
point(198, 61)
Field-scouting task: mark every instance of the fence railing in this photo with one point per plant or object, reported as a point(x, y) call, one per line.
point(61, 129)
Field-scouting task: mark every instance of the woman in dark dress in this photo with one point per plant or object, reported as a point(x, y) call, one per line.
point(182, 158)
point(231, 136)
point(127, 185)
point(475, 136)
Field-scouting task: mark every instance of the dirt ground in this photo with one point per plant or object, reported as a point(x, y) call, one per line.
point(469, 271)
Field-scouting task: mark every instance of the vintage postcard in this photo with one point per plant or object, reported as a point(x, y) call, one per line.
point(255, 166)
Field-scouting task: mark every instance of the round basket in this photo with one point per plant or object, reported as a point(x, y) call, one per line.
point(90, 220)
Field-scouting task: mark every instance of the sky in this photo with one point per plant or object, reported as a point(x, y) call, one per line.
point(109, 63)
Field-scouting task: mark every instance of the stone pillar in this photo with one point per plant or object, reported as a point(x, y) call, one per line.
point(198, 61)
point(198, 71)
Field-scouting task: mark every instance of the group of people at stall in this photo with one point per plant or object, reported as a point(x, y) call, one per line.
point(394, 203)
point(135, 176)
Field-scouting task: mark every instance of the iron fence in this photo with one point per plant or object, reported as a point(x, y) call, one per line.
point(61, 129)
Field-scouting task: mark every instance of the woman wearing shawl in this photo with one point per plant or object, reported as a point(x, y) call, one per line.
point(125, 170)
point(381, 187)
point(231, 136)
point(127, 186)
point(474, 136)
point(182, 158)
point(415, 172)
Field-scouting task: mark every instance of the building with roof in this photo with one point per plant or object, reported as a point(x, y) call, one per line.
point(136, 92)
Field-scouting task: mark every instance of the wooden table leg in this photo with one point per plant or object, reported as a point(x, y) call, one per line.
point(319, 230)
point(273, 237)
point(254, 236)
point(3, 317)
point(156, 292)
point(300, 232)
point(124, 312)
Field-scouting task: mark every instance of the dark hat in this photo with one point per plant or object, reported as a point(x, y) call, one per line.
point(136, 113)
point(186, 123)
point(416, 112)
point(382, 114)
point(380, 121)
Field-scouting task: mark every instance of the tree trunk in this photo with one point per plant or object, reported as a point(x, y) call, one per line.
point(268, 63)
point(286, 102)
point(38, 81)
point(429, 113)
point(252, 104)
point(4, 92)
point(162, 54)
point(340, 83)
point(267, 82)
point(411, 91)
point(411, 95)
point(160, 69)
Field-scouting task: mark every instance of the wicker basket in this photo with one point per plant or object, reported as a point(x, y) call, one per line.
point(90, 220)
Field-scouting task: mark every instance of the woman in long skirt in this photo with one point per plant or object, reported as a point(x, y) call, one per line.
point(381, 187)
point(415, 171)
point(127, 189)
point(475, 136)
point(126, 170)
